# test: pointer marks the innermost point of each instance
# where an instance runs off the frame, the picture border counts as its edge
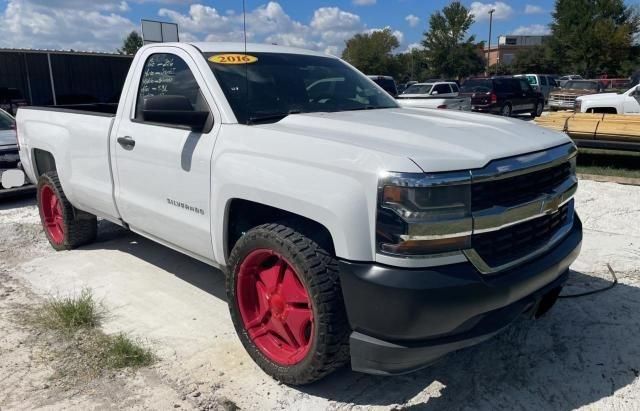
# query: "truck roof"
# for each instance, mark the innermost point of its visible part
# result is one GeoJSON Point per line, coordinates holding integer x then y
{"type": "Point", "coordinates": [214, 47]}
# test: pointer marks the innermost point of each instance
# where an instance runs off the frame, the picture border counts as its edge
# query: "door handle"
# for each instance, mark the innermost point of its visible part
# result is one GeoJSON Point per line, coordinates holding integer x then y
{"type": "Point", "coordinates": [127, 142]}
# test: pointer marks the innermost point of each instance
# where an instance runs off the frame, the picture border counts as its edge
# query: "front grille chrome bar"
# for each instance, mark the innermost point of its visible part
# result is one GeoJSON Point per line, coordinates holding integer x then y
{"type": "Point", "coordinates": [500, 217]}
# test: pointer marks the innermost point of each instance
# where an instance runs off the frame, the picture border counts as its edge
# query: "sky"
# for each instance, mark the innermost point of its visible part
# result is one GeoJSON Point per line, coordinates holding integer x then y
{"type": "Point", "coordinates": [100, 25]}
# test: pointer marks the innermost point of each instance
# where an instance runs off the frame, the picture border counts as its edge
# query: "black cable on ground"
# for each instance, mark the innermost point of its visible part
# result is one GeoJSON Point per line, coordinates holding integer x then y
{"type": "Point", "coordinates": [599, 290]}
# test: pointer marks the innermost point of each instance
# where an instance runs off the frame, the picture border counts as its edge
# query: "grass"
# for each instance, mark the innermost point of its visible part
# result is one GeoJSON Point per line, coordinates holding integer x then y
{"type": "Point", "coordinates": [71, 313]}
{"type": "Point", "coordinates": [609, 163]}
{"type": "Point", "coordinates": [79, 347]}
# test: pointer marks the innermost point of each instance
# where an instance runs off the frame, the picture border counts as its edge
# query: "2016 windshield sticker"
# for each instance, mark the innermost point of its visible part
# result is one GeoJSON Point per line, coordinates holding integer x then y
{"type": "Point", "coordinates": [233, 59]}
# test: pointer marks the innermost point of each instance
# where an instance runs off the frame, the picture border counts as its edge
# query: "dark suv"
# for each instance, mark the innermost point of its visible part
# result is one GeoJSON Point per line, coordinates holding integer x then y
{"type": "Point", "coordinates": [503, 95]}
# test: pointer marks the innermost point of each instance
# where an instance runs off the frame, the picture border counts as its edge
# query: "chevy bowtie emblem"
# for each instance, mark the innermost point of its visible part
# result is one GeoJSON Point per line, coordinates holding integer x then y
{"type": "Point", "coordinates": [551, 205]}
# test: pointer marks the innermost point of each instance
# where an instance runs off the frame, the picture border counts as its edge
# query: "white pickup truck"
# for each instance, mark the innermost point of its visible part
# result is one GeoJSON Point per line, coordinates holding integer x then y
{"type": "Point", "coordinates": [611, 103]}
{"type": "Point", "coordinates": [350, 230]}
{"type": "Point", "coordinates": [442, 95]}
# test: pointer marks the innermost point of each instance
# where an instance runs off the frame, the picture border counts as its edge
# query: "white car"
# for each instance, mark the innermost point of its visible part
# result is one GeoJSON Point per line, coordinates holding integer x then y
{"type": "Point", "coordinates": [611, 103]}
{"type": "Point", "coordinates": [443, 95]}
{"type": "Point", "coordinates": [351, 230]}
{"type": "Point", "coordinates": [9, 158]}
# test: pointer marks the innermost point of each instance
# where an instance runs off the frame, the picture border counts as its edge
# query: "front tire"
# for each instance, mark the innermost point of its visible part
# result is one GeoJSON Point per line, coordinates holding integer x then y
{"type": "Point", "coordinates": [65, 226]}
{"type": "Point", "coordinates": [286, 304]}
{"type": "Point", "coordinates": [537, 110]}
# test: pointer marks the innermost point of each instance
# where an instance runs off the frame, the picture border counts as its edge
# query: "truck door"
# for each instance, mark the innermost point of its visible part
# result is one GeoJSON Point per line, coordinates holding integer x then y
{"type": "Point", "coordinates": [162, 164]}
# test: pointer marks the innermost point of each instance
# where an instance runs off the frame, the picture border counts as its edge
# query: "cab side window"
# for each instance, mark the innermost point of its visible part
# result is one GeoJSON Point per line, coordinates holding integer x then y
{"type": "Point", "coordinates": [524, 86]}
{"type": "Point", "coordinates": [442, 89]}
{"type": "Point", "coordinates": [168, 85]}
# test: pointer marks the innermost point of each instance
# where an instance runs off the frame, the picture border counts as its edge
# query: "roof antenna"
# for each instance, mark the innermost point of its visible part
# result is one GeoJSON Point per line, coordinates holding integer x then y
{"type": "Point", "coordinates": [246, 66]}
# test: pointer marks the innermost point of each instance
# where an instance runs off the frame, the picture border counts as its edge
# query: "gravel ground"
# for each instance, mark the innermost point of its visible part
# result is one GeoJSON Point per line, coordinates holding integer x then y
{"type": "Point", "coordinates": [584, 354]}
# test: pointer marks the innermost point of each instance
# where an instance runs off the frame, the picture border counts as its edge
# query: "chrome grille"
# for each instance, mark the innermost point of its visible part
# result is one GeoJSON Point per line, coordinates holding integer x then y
{"type": "Point", "coordinates": [521, 206]}
{"type": "Point", "coordinates": [500, 247]}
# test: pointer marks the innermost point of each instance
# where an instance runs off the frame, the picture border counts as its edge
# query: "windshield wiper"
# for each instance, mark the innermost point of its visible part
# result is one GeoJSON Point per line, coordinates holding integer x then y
{"type": "Point", "coordinates": [270, 117]}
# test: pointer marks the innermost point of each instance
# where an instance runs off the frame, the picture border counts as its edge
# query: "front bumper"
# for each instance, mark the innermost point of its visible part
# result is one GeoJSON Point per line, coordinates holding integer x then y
{"type": "Point", "coordinates": [404, 319]}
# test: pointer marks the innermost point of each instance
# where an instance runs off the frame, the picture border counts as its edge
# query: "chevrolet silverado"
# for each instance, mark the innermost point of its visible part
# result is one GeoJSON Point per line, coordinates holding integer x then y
{"type": "Point", "coordinates": [351, 230]}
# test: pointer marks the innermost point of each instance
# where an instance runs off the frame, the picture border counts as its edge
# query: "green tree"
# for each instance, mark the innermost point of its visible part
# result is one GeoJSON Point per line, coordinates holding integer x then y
{"type": "Point", "coordinates": [593, 37]}
{"type": "Point", "coordinates": [131, 44]}
{"type": "Point", "coordinates": [450, 52]}
{"type": "Point", "coordinates": [372, 53]}
{"type": "Point", "coordinates": [538, 59]}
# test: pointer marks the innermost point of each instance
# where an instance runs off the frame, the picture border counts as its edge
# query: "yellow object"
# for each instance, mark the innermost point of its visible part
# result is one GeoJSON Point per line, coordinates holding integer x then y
{"type": "Point", "coordinates": [233, 59]}
{"type": "Point", "coordinates": [586, 126]}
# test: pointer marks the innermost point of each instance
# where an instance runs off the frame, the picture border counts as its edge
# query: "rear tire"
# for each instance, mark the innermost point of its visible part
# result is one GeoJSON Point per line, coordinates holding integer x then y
{"type": "Point", "coordinates": [505, 110]}
{"type": "Point", "coordinates": [65, 226]}
{"type": "Point", "coordinates": [286, 304]}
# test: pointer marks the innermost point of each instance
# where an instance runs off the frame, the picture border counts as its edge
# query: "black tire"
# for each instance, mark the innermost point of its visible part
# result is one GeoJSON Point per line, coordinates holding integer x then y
{"type": "Point", "coordinates": [79, 227]}
{"type": "Point", "coordinates": [506, 110]}
{"type": "Point", "coordinates": [537, 110]}
{"type": "Point", "coordinates": [318, 272]}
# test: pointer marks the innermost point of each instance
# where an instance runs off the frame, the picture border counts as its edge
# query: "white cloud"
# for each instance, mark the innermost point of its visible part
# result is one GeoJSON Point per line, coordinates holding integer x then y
{"type": "Point", "coordinates": [413, 46]}
{"type": "Point", "coordinates": [532, 30]}
{"type": "Point", "coordinates": [412, 20]}
{"type": "Point", "coordinates": [64, 24]}
{"type": "Point", "coordinates": [364, 2]}
{"type": "Point", "coordinates": [396, 33]}
{"type": "Point", "coordinates": [481, 10]}
{"type": "Point", "coordinates": [101, 25]}
{"type": "Point", "coordinates": [327, 30]}
{"type": "Point", "coordinates": [531, 9]}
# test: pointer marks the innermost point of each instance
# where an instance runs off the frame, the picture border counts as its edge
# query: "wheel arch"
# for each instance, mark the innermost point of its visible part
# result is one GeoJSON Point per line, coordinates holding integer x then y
{"type": "Point", "coordinates": [43, 162]}
{"type": "Point", "coordinates": [241, 215]}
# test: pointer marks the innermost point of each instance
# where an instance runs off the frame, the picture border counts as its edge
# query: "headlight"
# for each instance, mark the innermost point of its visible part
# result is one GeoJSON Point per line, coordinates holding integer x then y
{"type": "Point", "coordinates": [424, 214]}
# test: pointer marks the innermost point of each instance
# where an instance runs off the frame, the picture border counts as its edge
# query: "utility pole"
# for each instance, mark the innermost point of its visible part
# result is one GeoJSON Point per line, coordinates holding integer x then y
{"type": "Point", "coordinates": [489, 53]}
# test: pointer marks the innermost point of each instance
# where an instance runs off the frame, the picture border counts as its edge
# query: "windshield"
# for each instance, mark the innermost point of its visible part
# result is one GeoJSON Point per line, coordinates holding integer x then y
{"type": "Point", "coordinates": [581, 85]}
{"type": "Point", "coordinates": [281, 84]}
{"type": "Point", "coordinates": [532, 80]}
{"type": "Point", "coordinates": [419, 89]}
{"type": "Point", "coordinates": [476, 86]}
{"type": "Point", "coordinates": [6, 121]}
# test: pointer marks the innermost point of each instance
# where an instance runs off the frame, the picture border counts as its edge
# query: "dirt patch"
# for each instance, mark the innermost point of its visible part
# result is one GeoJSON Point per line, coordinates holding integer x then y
{"type": "Point", "coordinates": [583, 354]}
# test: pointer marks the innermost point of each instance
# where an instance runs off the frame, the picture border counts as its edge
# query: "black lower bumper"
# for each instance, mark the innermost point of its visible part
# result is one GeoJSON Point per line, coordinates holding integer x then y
{"type": "Point", "coordinates": [404, 319]}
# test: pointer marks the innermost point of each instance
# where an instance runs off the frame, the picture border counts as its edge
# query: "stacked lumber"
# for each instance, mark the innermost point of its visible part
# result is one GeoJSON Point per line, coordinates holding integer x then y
{"type": "Point", "coordinates": [586, 126]}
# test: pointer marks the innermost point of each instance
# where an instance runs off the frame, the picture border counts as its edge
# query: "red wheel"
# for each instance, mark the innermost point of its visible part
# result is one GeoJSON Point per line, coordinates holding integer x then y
{"type": "Point", "coordinates": [51, 210]}
{"type": "Point", "coordinates": [65, 226]}
{"type": "Point", "coordinates": [275, 307]}
{"type": "Point", "coordinates": [286, 304]}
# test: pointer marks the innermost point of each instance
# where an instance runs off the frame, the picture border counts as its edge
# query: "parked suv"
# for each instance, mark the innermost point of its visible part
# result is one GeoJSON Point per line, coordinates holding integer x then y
{"type": "Point", "coordinates": [540, 82]}
{"type": "Point", "coordinates": [503, 95]}
{"type": "Point", "coordinates": [387, 83]}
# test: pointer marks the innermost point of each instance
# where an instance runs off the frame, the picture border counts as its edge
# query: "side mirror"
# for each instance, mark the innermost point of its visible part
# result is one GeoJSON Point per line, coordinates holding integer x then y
{"type": "Point", "coordinates": [174, 110]}
{"type": "Point", "coordinates": [434, 93]}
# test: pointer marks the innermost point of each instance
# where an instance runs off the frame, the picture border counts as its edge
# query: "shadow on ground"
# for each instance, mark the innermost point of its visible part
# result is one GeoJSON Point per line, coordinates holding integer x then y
{"type": "Point", "coordinates": [196, 273]}
{"type": "Point", "coordinates": [584, 350]}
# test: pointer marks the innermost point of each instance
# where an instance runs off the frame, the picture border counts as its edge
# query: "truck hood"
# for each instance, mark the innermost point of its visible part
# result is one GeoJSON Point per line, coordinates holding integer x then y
{"type": "Point", "coordinates": [601, 96]}
{"type": "Point", "coordinates": [574, 92]}
{"type": "Point", "coordinates": [436, 140]}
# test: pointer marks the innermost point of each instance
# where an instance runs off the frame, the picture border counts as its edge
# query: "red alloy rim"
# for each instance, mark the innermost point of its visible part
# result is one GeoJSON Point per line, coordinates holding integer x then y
{"type": "Point", "coordinates": [51, 209]}
{"type": "Point", "coordinates": [275, 307]}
